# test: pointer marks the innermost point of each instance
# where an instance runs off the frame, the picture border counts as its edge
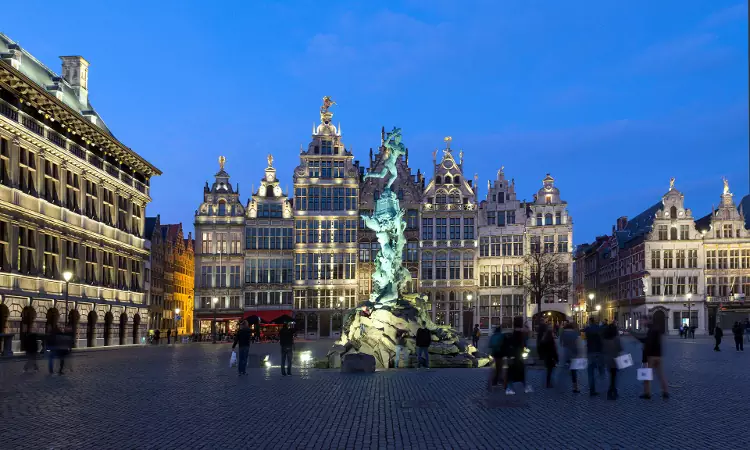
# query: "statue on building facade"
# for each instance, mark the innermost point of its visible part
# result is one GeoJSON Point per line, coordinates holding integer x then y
{"type": "Point", "coordinates": [393, 150]}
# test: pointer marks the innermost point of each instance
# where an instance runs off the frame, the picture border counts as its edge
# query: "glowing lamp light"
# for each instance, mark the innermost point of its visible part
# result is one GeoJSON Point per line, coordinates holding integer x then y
{"type": "Point", "coordinates": [305, 356]}
{"type": "Point", "coordinates": [67, 275]}
{"type": "Point", "coordinates": [598, 307]}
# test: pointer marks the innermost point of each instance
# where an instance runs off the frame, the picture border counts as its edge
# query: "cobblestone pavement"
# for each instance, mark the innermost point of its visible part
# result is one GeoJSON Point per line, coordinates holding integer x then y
{"type": "Point", "coordinates": [187, 397]}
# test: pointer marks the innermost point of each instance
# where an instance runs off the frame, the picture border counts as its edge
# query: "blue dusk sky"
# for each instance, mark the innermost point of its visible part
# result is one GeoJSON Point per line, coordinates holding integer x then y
{"type": "Point", "coordinates": [611, 97]}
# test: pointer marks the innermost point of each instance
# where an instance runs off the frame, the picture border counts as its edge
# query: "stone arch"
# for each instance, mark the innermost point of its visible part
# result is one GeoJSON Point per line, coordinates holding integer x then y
{"type": "Point", "coordinates": [53, 319]}
{"type": "Point", "coordinates": [108, 319]}
{"type": "Point", "coordinates": [136, 324]}
{"type": "Point", "coordinates": [448, 179]}
{"type": "Point", "coordinates": [123, 328]}
{"type": "Point", "coordinates": [91, 329]}
{"type": "Point", "coordinates": [673, 233]}
{"type": "Point", "coordinates": [659, 319]}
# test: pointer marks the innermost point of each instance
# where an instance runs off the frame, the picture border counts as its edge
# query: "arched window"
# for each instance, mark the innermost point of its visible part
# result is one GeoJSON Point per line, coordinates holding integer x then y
{"type": "Point", "coordinates": [440, 199]}
{"type": "Point", "coordinates": [548, 219]}
{"type": "Point", "coordinates": [438, 180]}
{"type": "Point", "coordinates": [427, 266]}
{"type": "Point", "coordinates": [673, 233]}
{"type": "Point", "coordinates": [456, 180]}
{"type": "Point", "coordinates": [222, 208]}
{"type": "Point", "coordinates": [441, 266]}
{"type": "Point", "coordinates": [455, 266]}
{"type": "Point", "coordinates": [455, 197]}
{"type": "Point", "coordinates": [673, 212]}
{"type": "Point", "coordinates": [448, 179]}
{"type": "Point", "coordinates": [538, 219]}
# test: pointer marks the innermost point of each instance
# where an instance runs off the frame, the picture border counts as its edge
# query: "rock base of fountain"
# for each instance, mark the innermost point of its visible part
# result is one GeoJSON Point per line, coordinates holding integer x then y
{"type": "Point", "coordinates": [375, 335]}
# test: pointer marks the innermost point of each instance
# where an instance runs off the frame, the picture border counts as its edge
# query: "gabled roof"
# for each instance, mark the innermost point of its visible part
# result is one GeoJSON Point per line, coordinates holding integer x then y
{"type": "Point", "coordinates": [704, 223]}
{"type": "Point", "coordinates": [150, 226]}
{"type": "Point", "coordinates": [744, 207]}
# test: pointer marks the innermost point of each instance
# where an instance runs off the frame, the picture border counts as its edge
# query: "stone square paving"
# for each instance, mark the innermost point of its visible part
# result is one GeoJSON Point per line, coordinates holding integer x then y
{"type": "Point", "coordinates": [187, 397]}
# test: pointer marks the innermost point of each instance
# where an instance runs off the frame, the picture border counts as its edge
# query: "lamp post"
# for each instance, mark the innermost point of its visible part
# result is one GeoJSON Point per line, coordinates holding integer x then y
{"type": "Point", "coordinates": [214, 301]}
{"type": "Point", "coordinates": [341, 316]}
{"type": "Point", "coordinates": [690, 317]}
{"type": "Point", "coordinates": [591, 301]}
{"type": "Point", "coordinates": [176, 321]}
{"type": "Point", "coordinates": [468, 298]}
{"type": "Point", "coordinates": [575, 310]}
{"type": "Point", "coordinates": [67, 276]}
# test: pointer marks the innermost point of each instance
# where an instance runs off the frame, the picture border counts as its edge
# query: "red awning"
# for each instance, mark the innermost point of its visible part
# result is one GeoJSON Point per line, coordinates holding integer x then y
{"type": "Point", "coordinates": [268, 315]}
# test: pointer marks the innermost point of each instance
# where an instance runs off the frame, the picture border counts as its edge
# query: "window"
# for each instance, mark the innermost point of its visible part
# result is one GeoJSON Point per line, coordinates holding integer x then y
{"type": "Point", "coordinates": [656, 286]}
{"type": "Point", "coordinates": [326, 147]}
{"type": "Point", "coordinates": [412, 249]}
{"type": "Point", "coordinates": [455, 266]}
{"type": "Point", "coordinates": [4, 162]}
{"type": "Point", "coordinates": [122, 271]}
{"type": "Point", "coordinates": [135, 225]}
{"type": "Point", "coordinates": [71, 256]}
{"type": "Point", "coordinates": [27, 171]}
{"type": "Point", "coordinates": [662, 232]}
{"type": "Point", "coordinates": [325, 169]}
{"type": "Point", "coordinates": [562, 243]}
{"type": "Point", "coordinates": [680, 285]}
{"type": "Point", "coordinates": [234, 280]}
{"type": "Point", "coordinates": [468, 266]}
{"type": "Point", "coordinates": [722, 259]}
{"type": "Point", "coordinates": [535, 244]}
{"type": "Point", "coordinates": [558, 218]}
{"type": "Point", "coordinates": [548, 219]}
{"type": "Point", "coordinates": [72, 190]}
{"type": "Point", "coordinates": [692, 259]}
{"type": "Point", "coordinates": [440, 199]}
{"type": "Point", "coordinates": [510, 217]}
{"type": "Point", "coordinates": [91, 265]}
{"type": "Point", "coordinates": [338, 169]}
{"type": "Point", "coordinates": [734, 259]}
{"type": "Point", "coordinates": [549, 244]}
{"type": "Point", "coordinates": [411, 219]}
{"type": "Point", "coordinates": [440, 266]}
{"type": "Point", "coordinates": [668, 285]}
{"type": "Point", "coordinates": [313, 169]}
{"type": "Point", "coordinates": [655, 259]}
{"type": "Point", "coordinates": [484, 246]}
{"type": "Point", "coordinates": [300, 199]}
{"type": "Point", "coordinates": [135, 275]}
{"type": "Point", "coordinates": [468, 228]}
{"type": "Point", "coordinates": [711, 259]}
{"type": "Point", "coordinates": [440, 228]}
{"type": "Point", "coordinates": [51, 182]}
{"type": "Point", "coordinates": [491, 217]}
{"type": "Point", "coordinates": [539, 219]}
{"type": "Point", "coordinates": [92, 200]}
{"type": "Point", "coordinates": [673, 233]}
{"type": "Point", "coordinates": [668, 259]}
{"type": "Point", "coordinates": [495, 245]}
{"type": "Point", "coordinates": [684, 232]}
{"type": "Point", "coordinates": [455, 228]}
{"type": "Point", "coordinates": [727, 228]}
{"type": "Point", "coordinates": [680, 259]}
{"type": "Point", "coordinates": [427, 265]}
{"type": "Point", "coordinates": [693, 285]}
{"type": "Point", "coordinates": [51, 251]}
{"type": "Point", "coordinates": [352, 195]}
{"type": "Point", "coordinates": [500, 219]}
{"type": "Point", "coordinates": [108, 207]}
{"type": "Point", "coordinates": [123, 205]}
{"type": "Point", "coordinates": [221, 276]}
{"type": "Point", "coordinates": [455, 198]}
{"type": "Point", "coordinates": [206, 243]}
{"type": "Point", "coordinates": [26, 250]}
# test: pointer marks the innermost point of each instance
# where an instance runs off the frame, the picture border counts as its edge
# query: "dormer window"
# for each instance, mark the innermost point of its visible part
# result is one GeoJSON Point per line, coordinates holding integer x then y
{"type": "Point", "coordinates": [548, 199]}
{"type": "Point", "coordinates": [457, 179]}
{"type": "Point", "coordinates": [438, 180]}
{"type": "Point", "coordinates": [222, 208]}
{"type": "Point", "coordinates": [448, 179]}
{"type": "Point", "coordinates": [673, 212]}
{"type": "Point", "coordinates": [326, 148]}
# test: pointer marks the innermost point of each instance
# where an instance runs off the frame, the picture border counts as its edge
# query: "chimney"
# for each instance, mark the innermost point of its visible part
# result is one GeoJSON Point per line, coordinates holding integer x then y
{"type": "Point", "coordinates": [622, 222]}
{"type": "Point", "coordinates": [75, 71]}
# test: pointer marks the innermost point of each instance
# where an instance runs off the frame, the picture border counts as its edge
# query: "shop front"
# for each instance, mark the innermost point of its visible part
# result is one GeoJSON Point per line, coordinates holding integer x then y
{"type": "Point", "coordinates": [266, 324]}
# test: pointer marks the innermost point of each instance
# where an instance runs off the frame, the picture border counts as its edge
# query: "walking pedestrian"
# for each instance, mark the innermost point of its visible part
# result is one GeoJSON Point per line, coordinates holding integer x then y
{"type": "Point", "coordinates": [611, 349]}
{"type": "Point", "coordinates": [496, 349]}
{"type": "Point", "coordinates": [31, 348]}
{"type": "Point", "coordinates": [738, 332]}
{"type": "Point", "coordinates": [594, 354]}
{"type": "Point", "coordinates": [423, 341]}
{"type": "Point", "coordinates": [286, 338]}
{"type": "Point", "coordinates": [747, 329]}
{"type": "Point", "coordinates": [652, 354]}
{"type": "Point", "coordinates": [157, 334]}
{"type": "Point", "coordinates": [475, 336]}
{"type": "Point", "coordinates": [242, 338]}
{"type": "Point", "coordinates": [547, 351]}
{"type": "Point", "coordinates": [541, 330]}
{"type": "Point", "coordinates": [400, 347]}
{"type": "Point", "coordinates": [169, 335]}
{"type": "Point", "coordinates": [569, 346]}
{"type": "Point", "coordinates": [515, 347]}
{"type": "Point", "coordinates": [718, 334]}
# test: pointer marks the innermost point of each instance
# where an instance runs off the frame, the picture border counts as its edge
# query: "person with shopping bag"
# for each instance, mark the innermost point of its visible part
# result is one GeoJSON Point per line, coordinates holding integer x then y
{"type": "Point", "coordinates": [569, 351]}
{"type": "Point", "coordinates": [242, 338]}
{"type": "Point", "coordinates": [613, 357]}
{"type": "Point", "coordinates": [652, 359]}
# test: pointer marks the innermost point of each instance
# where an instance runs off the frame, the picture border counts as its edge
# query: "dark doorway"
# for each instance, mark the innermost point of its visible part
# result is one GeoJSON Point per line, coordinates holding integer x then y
{"type": "Point", "coordinates": [136, 324]}
{"type": "Point", "coordinates": [660, 321]}
{"type": "Point", "coordinates": [468, 323]}
{"type": "Point", "coordinates": [123, 328]}
{"type": "Point", "coordinates": [28, 315]}
{"type": "Point", "coordinates": [74, 317]}
{"type": "Point", "coordinates": [108, 319]}
{"type": "Point", "coordinates": [325, 324]}
{"type": "Point", "coordinates": [4, 314]}
{"type": "Point", "coordinates": [91, 330]}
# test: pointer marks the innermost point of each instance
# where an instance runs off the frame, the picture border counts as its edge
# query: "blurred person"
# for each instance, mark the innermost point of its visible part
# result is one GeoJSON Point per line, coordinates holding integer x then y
{"type": "Point", "coordinates": [286, 338]}
{"type": "Point", "coordinates": [31, 349]}
{"type": "Point", "coordinates": [423, 341]}
{"type": "Point", "coordinates": [738, 331]}
{"type": "Point", "coordinates": [515, 346]}
{"type": "Point", "coordinates": [611, 349]}
{"type": "Point", "coordinates": [401, 336]}
{"type": "Point", "coordinates": [718, 334]}
{"type": "Point", "coordinates": [475, 336]}
{"type": "Point", "coordinates": [547, 351]}
{"type": "Point", "coordinates": [242, 338]}
{"type": "Point", "coordinates": [496, 349]}
{"type": "Point", "coordinates": [652, 354]}
{"type": "Point", "coordinates": [169, 335]}
{"type": "Point", "coordinates": [569, 346]}
{"type": "Point", "coordinates": [157, 335]}
{"type": "Point", "coordinates": [594, 354]}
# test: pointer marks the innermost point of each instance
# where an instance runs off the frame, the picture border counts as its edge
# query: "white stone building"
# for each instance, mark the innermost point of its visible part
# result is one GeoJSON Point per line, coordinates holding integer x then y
{"type": "Point", "coordinates": [449, 242]}
{"type": "Point", "coordinates": [72, 199]}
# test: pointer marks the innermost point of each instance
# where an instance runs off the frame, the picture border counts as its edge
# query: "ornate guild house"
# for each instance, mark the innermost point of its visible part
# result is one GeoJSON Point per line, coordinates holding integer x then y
{"type": "Point", "coordinates": [449, 242]}
{"type": "Point", "coordinates": [72, 208]}
{"type": "Point", "coordinates": [326, 194]}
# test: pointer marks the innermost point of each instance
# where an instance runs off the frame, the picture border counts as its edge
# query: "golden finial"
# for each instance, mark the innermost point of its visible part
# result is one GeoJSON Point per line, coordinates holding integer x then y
{"type": "Point", "coordinates": [671, 183]}
{"type": "Point", "coordinates": [270, 160]}
{"type": "Point", "coordinates": [448, 140]}
{"type": "Point", "coordinates": [726, 185]}
{"type": "Point", "coordinates": [222, 161]}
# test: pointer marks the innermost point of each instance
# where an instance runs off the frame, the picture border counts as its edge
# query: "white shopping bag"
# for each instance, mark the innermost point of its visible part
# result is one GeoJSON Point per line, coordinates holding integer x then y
{"type": "Point", "coordinates": [233, 359]}
{"type": "Point", "coordinates": [578, 363]}
{"type": "Point", "coordinates": [624, 361]}
{"type": "Point", "coordinates": [645, 374]}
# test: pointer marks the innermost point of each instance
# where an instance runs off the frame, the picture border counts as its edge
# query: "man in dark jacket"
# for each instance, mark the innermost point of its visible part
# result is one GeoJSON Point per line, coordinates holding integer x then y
{"type": "Point", "coordinates": [738, 331]}
{"type": "Point", "coordinates": [594, 354]}
{"type": "Point", "coordinates": [424, 339]}
{"type": "Point", "coordinates": [242, 338]}
{"type": "Point", "coordinates": [718, 334]}
{"type": "Point", "coordinates": [286, 338]}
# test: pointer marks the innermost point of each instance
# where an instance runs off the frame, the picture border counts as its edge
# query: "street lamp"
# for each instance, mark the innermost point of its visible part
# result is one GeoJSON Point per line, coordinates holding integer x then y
{"type": "Point", "coordinates": [214, 301]}
{"type": "Point", "coordinates": [67, 276]}
{"type": "Point", "coordinates": [341, 316]}
{"type": "Point", "coordinates": [176, 315]}
{"type": "Point", "coordinates": [690, 317]}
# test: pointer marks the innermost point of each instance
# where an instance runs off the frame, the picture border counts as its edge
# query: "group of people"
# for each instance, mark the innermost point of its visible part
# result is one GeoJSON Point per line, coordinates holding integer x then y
{"type": "Point", "coordinates": [156, 336]}
{"type": "Point", "coordinates": [58, 342]}
{"type": "Point", "coordinates": [739, 330]}
{"type": "Point", "coordinates": [245, 336]}
{"type": "Point", "coordinates": [559, 348]}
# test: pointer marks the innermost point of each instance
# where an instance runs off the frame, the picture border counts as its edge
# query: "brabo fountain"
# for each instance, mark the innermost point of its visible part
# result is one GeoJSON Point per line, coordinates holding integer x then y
{"type": "Point", "coordinates": [371, 328]}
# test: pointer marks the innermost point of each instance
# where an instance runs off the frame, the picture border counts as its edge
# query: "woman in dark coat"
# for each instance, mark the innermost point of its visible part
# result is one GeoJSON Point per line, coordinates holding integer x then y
{"type": "Point", "coordinates": [548, 353]}
{"type": "Point", "coordinates": [611, 349]}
